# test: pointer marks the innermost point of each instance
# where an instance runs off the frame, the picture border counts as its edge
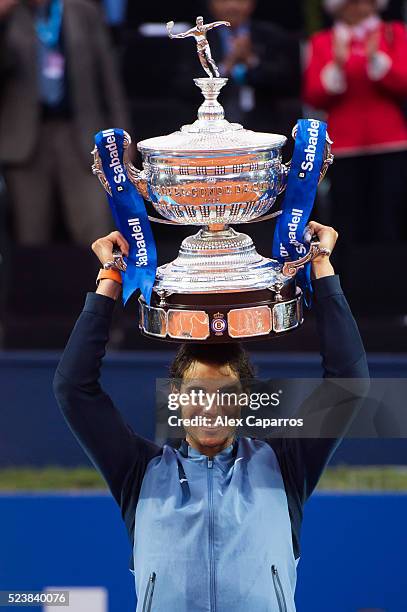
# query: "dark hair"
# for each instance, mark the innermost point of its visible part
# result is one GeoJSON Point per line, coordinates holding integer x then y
{"type": "Point", "coordinates": [232, 354]}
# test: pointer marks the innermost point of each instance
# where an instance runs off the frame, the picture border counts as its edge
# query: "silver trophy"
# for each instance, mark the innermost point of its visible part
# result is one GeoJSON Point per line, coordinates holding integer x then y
{"type": "Point", "coordinates": [215, 174]}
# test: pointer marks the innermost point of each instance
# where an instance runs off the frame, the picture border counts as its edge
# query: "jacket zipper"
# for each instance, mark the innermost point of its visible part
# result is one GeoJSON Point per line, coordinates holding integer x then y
{"type": "Point", "coordinates": [211, 536]}
{"type": "Point", "coordinates": [282, 606]}
{"type": "Point", "coordinates": [148, 597]}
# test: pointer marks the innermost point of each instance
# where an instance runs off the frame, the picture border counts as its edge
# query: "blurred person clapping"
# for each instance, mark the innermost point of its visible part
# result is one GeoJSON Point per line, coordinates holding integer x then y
{"type": "Point", "coordinates": [59, 86]}
{"type": "Point", "coordinates": [357, 72]}
{"type": "Point", "coordinates": [262, 62]}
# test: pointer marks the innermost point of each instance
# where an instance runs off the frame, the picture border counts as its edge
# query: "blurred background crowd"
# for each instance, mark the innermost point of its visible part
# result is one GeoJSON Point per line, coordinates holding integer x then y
{"type": "Point", "coordinates": [69, 68]}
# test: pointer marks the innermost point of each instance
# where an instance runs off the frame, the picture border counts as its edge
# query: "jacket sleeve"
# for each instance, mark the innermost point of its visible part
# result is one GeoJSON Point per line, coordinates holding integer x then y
{"type": "Point", "coordinates": [302, 461]}
{"type": "Point", "coordinates": [343, 356]}
{"type": "Point", "coordinates": [120, 455]}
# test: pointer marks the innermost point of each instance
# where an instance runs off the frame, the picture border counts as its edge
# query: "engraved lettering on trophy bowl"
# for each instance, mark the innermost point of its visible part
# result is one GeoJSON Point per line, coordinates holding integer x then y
{"type": "Point", "coordinates": [202, 181]}
{"type": "Point", "coordinates": [285, 316]}
{"type": "Point", "coordinates": [188, 324]}
{"type": "Point", "coordinates": [247, 322]}
{"type": "Point", "coordinates": [153, 320]}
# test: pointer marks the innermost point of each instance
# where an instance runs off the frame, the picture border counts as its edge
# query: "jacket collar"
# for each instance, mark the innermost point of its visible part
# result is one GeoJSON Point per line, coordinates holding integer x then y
{"type": "Point", "coordinates": [227, 453]}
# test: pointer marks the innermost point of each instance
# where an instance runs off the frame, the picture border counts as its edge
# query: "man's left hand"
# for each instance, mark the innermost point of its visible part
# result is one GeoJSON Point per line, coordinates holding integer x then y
{"type": "Point", "coordinates": [327, 236]}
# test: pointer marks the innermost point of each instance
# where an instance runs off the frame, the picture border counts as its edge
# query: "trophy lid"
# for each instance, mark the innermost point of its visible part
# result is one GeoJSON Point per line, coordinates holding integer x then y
{"type": "Point", "coordinates": [211, 132]}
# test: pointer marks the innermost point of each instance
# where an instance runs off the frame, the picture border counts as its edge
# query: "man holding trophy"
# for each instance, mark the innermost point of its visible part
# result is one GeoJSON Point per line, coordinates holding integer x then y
{"type": "Point", "coordinates": [215, 522]}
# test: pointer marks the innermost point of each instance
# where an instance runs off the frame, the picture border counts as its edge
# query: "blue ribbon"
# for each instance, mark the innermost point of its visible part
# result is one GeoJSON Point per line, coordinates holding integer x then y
{"type": "Point", "coordinates": [130, 215]}
{"type": "Point", "coordinates": [49, 28]}
{"type": "Point", "coordinates": [300, 194]}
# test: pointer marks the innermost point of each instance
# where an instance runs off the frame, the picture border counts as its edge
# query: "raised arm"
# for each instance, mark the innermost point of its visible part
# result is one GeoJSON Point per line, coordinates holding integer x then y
{"type": "Point", "coordinates": [183, 34]}
{"type": "Point", "coordinates": [190, 32]}
{"type": "Point", "coordinates": [215, 24]}
{"type": "Point", "coordinates": [120, 455]}
{"type": "Point", "coordinates": [302, 460]}
{"type": "Point", "coordinates": [334, 404]}
{"type": "Point", "coordinates": [343, 356]}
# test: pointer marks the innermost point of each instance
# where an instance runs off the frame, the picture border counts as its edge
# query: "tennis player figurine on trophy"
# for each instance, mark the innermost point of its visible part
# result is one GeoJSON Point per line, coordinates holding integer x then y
{"type": "Point", "coordinates": [214, 174]}
{"type": "Point", "coordinates": [202, 46]}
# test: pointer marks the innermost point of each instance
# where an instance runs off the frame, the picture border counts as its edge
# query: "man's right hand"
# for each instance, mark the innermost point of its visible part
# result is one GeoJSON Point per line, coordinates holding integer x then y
{"type": "Point", "coordinates": [103, 249]}
{"type": "Point", "coordinates": [6, 6]}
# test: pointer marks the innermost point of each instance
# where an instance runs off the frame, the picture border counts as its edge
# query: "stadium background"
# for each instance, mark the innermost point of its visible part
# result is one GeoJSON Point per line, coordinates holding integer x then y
{"type": "Point", "coordinates": [58, 525]}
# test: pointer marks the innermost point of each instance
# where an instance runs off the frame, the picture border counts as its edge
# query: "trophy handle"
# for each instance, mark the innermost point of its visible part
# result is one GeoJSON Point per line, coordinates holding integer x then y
{"type": "Point", "coordinates": [137, 177]}
{"type": "Point", "coordinates": [290, 268]}
{"type": "Point", "coordinates": [328, 160]}
{"type": "Point", "coordinates": [117, 263]}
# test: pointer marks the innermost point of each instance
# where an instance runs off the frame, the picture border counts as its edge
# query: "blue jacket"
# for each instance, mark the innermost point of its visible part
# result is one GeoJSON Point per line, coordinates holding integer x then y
{"type": "Point", "coordinates": [209, 535]}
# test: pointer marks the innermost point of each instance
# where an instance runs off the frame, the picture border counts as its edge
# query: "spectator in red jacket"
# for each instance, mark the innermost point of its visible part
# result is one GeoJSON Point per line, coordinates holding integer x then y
{"type": "Point", "coordinates": [357, 72]}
